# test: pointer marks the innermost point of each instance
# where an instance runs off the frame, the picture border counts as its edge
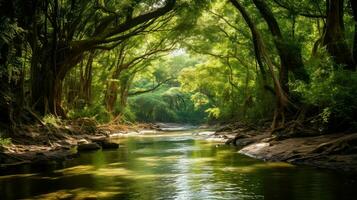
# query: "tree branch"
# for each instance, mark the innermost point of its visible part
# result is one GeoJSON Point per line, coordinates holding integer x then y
{"type": "Point", "coordinates": [144, 20]}
{"type": "Point", "coordinates": [151, 89]}
{"type": "Point", "coordinates": [304, 14]}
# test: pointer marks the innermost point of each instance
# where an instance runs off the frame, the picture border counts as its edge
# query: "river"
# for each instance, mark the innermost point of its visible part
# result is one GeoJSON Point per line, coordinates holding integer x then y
{"type": "Point", "coordinates": [174, 165]}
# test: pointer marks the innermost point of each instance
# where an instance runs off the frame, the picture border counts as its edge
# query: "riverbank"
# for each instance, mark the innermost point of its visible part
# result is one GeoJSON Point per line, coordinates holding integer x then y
{"type": "Point", "coordinates": [159, 166]}
{"type": "Point", "coordinates": [329, 151]}
{"type": "Point", "coordinates": [44, 144]}
{"type": "Point", "coordinates": [37, 145]}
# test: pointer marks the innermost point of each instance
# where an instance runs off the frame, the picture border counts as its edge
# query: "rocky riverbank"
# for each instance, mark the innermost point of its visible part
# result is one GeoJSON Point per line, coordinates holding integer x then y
{"type": "Point", "coordinates": [50, 143]}
{"type": "Point", "coordinates": [330, 151]}
{"type": "Point", "coordinates": [58, 141]}
{"type": "Point", "coordinates": [43, 144]}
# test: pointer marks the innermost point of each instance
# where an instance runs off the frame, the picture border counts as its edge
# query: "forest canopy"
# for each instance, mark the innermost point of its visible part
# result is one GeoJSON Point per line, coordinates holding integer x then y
{"type": "Point", "coordinates": [188, 61]}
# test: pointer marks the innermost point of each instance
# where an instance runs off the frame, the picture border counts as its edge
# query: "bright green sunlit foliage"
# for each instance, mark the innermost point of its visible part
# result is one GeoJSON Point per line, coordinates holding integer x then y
{"type": "Point", "coordinates": [180, 61]}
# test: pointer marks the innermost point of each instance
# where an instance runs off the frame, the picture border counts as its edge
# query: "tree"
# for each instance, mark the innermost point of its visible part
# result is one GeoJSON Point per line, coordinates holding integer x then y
{"type": "Point", "coordinates": [334, 38]}
{"type": "Point", "coordinates": [76, 29]}
{"type": "Point", "coordinates": [281, 90]}
{"type": "Point", "coordinates": [132, 57]}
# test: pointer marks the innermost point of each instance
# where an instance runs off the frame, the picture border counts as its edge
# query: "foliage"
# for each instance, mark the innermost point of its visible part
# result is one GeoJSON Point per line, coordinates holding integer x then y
{"type": "Point", "coordinates": [4, 141]}
{"type": "Point", "coordinates": [166, 105]}
{"type": "Point", "coordinates": [333, 91]}
{"type": "Point", "coordinates": [51, 120]}
{"type": "Point", "coordinates": [150, 107]}
{"type": "Point", "coordinates": [9, 31]}
{"type": "Point", "coordinates": [177, 60]}
{"type": "Point", "coordinates": [96, 111]}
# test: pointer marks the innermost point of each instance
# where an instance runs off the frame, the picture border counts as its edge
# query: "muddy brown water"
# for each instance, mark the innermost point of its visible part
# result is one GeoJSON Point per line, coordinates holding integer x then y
{"type": "Point", "coordinates": [174, 165]}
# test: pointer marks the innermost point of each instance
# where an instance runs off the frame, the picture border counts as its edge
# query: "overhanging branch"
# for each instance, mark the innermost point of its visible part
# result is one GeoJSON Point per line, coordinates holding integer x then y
{"type": "Point", "coordinates": [151, 89]}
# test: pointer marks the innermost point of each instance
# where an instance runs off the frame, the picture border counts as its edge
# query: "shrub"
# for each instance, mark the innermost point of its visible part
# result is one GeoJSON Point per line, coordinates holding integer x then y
{"type": "Point", "coordinates": [334, 93]}
{"type": "Point", "coordinates": [4, 141]}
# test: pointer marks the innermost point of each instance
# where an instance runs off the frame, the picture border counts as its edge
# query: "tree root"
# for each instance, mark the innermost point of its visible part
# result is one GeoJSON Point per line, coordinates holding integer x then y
{"type": "Point", "coordinates": [344, 145]}
{"type": "Point", "coordinates": [294, 129]}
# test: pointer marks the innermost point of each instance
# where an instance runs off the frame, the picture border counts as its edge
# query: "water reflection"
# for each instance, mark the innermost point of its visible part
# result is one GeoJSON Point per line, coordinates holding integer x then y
{"type": "Point", "coordinates": [174, 166]}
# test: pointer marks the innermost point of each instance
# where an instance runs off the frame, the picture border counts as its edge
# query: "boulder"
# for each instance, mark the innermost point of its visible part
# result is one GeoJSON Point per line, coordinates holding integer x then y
{"type": "Point", "coordinates": [244, 142]}
{"type": "Point", "coordinates": [88, 146]}
{"type": "Point", "coordinates": [82, 141]}
{"type": "Point", "coordinates": [110, 145]}
{"type": "Point", "coordinates": [105, 143]}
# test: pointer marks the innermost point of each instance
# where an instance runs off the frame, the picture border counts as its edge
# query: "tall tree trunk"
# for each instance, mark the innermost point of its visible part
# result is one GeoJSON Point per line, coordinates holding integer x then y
{"type": "Point", "coordinates": [354, 11]}
{"type": "Point", "coordinates": [334, 38]}
{"type": "Point", "coordinates": [55, 50]}
{"type": "Point", "coordinates": [124, 92]}
{"type": "Point", "coordinates": [117, 86]}
{"type": "Point", "coordinates": [114, 85]}
{"type": "Point", "coordinates": [256, 38]}
{"type": "Point", "coordinates": [47, 80]}
{"type": "Point", "coordinates": [111, 95]}
{"type": "Point", "coordinates": [261, 54]}
{"type": "Point", "coordinates": [46, 91]}
{"type": "Point", "coordinates": [5, 92]}
{"type": "Point", "coordinates": [289, 52]}
{"type": "Point", "coordinates": [86, 80]}
{"type": "Point", "coordinates": [71, 90]}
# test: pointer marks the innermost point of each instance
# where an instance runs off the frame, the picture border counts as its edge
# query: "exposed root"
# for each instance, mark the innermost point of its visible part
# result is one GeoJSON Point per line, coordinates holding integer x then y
{"type": "Point", "coordinates": [242, 127]}
{"type": "Point", "coordinates": [294, 129]}
{"type": "Point", "coordinates": [344, 145]}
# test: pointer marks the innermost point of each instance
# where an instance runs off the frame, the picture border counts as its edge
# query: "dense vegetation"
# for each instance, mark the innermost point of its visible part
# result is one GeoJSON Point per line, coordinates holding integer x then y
{"type": "Point", "coordinates": [179, 61]}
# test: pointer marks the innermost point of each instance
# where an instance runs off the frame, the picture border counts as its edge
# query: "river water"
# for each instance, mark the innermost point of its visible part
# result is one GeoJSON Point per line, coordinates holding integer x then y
{"type": "Point", "coordinates": [174, 165]}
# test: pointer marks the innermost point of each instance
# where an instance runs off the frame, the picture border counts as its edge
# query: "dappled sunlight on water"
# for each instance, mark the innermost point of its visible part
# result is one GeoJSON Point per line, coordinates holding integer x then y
{"type": "Point", "coordinates": [175, 165]}
{"type": "Point", "coordinates": [80, 193]}
{"type": "Point", "coordinates": [255, 167]}
{"type": "Point", "coordinates": [81, 169]}
{"type": "Point", "coordinates": [112, 172]}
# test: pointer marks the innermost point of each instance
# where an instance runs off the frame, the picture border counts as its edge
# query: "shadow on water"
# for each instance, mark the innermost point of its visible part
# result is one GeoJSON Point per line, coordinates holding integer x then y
{"type": "Point", "coordinates": [174, 166]}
